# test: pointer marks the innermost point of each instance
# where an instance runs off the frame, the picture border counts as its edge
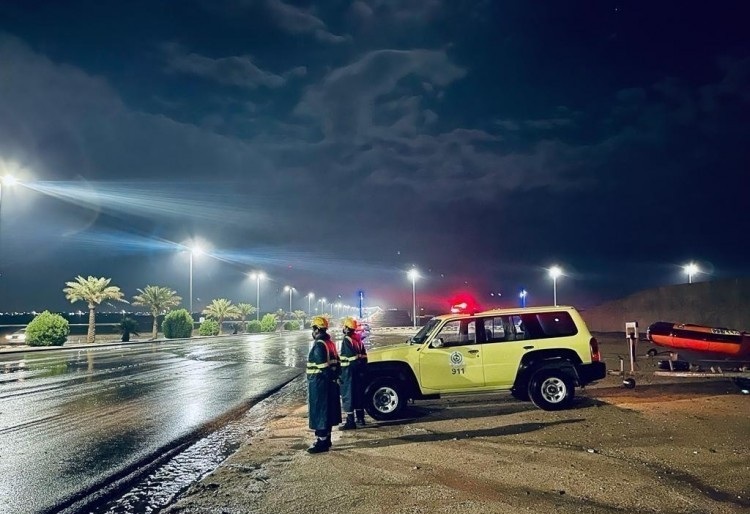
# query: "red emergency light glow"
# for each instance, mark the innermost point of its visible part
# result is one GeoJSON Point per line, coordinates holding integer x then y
{"type": "Point", "coordinates": [461, 307]}
{"type": "Point", "coordinates": [464, 303]}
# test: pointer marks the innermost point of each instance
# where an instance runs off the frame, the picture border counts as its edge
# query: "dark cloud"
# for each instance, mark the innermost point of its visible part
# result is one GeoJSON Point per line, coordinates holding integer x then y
{"type": "Point", "coordinates": [481, 141]}
{"type": "Point", "coordinates": [233, 70]}
{"type": "Point", "coordinates": [344, 102]}
{"type": "Point", "coordinates": [300, 21]}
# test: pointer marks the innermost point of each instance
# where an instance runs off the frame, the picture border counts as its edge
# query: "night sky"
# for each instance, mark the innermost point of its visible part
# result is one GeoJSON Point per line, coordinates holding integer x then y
{"type": "Point", "coordinates": [334, 145]}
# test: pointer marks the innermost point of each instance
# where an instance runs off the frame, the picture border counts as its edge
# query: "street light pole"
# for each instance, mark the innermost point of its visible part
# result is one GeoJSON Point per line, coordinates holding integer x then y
{"type": "Point", "coordinates": [257, 276]}
{"type": "Point", "coordinates": [194, 249]}
{"type": "Point", "coordinates": [554, 272]}
{"type": "Point", "coordinates": [414, 275]}
{"type": "Point", "coordinates": [310, 296]}
{"type": "Point", "coordinates": [290, 289]}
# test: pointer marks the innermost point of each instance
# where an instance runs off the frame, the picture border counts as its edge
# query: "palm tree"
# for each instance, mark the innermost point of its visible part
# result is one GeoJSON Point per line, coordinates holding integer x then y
{"type": "Point", "coordinates": [300, 315]}
{"type": "Point", "coordinates": [159, 300]}
{"type": "Point", "coordinates": [222, 309]}
{"type": "Point", "coordinates": [93, 291]}
{"type": "Point", "coordinates": [245, 310]}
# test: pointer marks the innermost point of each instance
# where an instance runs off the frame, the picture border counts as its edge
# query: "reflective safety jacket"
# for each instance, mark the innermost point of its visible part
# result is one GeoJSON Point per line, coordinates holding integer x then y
{"type": "Point", "coordinates": [353, 367]}
{"type": "Point", "coordinates": [324, 408]}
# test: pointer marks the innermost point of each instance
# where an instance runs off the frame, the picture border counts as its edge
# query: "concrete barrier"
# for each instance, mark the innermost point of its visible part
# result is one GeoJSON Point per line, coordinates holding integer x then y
{"type": "Point", "coordinates": [394, 330]}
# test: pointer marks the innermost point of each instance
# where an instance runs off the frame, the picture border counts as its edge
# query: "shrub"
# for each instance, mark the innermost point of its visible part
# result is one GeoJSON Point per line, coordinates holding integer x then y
{"type": "Point", "coordinates": [253, 327]}
{"type": "Point", "coordinates": [268, 323]}
{"type": "Point", "coordinates": [127, 327]}
{"type": "Point", "coordinates": [177, 324]}
{"type": "Point", "coordinates": [47, 329]}
{"type": "Point", "coordinates": [291, 325]}
{"type": "Point", "coordinates": [209, 327]}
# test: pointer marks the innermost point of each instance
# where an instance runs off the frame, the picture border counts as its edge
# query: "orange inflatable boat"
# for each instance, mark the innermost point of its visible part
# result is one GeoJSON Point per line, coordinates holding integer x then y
{"type": "Point", "coordinates": [699, 338]}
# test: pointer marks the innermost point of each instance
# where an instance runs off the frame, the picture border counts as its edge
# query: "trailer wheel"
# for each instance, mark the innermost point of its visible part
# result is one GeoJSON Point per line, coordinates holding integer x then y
{"type": "Point", "coordinates": [629, 383]}
{"type": "Point", "coordinates": [652, 352]}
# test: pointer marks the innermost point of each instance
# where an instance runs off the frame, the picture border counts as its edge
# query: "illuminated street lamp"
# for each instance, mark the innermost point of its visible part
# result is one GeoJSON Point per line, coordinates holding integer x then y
{"type": "Point", "coordinates": [555, 272]}
{"type": "Point", "coordinates": [257, 276]}
{"type": "Point", "coordinates": [414, 275]}
{"type": "Point", "coordinates": [522, 295]}
{"type": "Point", "coordinates": [291, 290]}
{"type": "Point", "coordinates": [691, 269]}
{"type": "Point", "coordinates": [7, 180]}
{"type": "Point", "coordinates": [310, 296]}
{"type": "Point", "coordinates": [322, 305]}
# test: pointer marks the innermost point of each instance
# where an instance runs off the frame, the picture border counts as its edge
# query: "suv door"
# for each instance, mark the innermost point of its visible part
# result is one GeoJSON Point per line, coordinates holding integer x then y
{"type": "Point", "coordinates": [452, 360]}
{"type": "Point", "coordinates": [503, 350]}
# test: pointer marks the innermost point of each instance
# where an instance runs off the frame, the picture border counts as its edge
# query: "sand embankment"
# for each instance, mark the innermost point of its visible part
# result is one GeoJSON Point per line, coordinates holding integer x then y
{"type": "Point", "coordinates": [721, 303]}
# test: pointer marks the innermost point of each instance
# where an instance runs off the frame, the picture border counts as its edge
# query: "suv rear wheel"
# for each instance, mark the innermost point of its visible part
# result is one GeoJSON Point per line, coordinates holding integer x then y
{"type": "Point", "coordinates": [551, 389]}
{"type": "Point", "coordinates": [385, 399]}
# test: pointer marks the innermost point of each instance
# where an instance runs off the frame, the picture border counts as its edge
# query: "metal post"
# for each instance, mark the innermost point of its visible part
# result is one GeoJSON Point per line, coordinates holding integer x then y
{"type": "Point", "coordinates": [191, 283]}
{"type": "Point", "coordinates": [414, 300]}
{"type": "Point", "coordinates": [554, 290]}
{"type": "Point", "coordinates": [257, 298]}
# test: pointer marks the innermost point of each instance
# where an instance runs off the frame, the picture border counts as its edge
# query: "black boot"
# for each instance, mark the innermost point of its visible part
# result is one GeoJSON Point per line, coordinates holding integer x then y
{"type": "Point", "coordinates": [350, 424]}
{"type": "Point", "coordinates": [360, 417]}
{"type": "Point", "coordinates": [320, 446]}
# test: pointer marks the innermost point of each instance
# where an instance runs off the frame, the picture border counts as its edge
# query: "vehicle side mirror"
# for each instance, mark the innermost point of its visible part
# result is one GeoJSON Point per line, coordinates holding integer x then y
{"type": "Point", "coordinates": [437, 342]}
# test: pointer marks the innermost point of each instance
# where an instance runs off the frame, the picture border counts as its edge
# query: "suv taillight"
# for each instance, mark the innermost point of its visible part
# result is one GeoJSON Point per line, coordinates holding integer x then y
{"type": "Point", "coordinates": [595, 355]}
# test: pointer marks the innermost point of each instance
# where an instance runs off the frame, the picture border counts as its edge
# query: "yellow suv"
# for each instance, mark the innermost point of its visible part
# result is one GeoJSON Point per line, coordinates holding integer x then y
{"type": "Point", "coordinates": [539, 354]}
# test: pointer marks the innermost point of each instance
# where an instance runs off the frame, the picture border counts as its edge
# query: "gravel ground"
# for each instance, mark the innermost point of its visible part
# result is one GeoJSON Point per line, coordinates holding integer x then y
{"type": "Point", "coordinates": [669, 445]}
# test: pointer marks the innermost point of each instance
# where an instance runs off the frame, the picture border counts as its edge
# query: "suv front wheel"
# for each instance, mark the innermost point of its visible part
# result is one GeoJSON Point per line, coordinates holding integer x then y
{"type": "Point", "coordinates": [385, 399]}
{"type": "Point", "coordinates": [551, 389]}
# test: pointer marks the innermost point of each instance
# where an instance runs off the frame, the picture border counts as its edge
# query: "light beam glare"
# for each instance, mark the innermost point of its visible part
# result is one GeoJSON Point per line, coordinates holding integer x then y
{"type": "Point", "coordinates": [123, 241]}
{"type": "Point", "coordinates": [153, 199]}
{"type": "Point", "coordinates": [303, 261]}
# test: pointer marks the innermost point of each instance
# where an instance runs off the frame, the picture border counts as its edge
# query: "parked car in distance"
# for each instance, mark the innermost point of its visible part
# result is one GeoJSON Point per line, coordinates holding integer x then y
{"type": "Point", "coordinates": [19, 337]}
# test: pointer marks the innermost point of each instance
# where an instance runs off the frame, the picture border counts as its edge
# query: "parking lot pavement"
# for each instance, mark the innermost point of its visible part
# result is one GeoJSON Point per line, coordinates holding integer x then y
{"type": "Point", "coordinates": [652, 449]}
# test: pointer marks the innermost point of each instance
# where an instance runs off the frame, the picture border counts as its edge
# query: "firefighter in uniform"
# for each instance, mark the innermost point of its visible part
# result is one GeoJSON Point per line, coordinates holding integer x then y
{"type": "Point", "coordinates": [353, 367]}
{"type": "Point", "coordinates": [324, 408]}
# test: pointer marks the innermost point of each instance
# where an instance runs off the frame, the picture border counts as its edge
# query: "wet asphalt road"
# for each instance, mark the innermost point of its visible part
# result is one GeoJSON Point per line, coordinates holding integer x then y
{"type": "Point", "coordinates": [71, 419]}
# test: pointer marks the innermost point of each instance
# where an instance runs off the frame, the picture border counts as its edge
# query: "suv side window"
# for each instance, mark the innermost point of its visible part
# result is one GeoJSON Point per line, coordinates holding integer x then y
{"type": "Point", "coordinates": [458, 332]}
{"type": "Point", "coordinates": [546, 325]}
{"type": "Point", "coordinates": [502, 328]}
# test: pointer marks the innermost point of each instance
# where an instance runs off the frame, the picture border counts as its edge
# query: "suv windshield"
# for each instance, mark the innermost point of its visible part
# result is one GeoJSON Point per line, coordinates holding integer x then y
{"type": "Point", "coordinates": [421, 336]}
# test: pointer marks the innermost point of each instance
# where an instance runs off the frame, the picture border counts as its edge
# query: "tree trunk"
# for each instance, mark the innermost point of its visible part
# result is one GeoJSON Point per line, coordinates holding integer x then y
{"type": "Point", "coordinates": [221, 322]}
{"type": "Point", "coordinates": [155, 329]}
{"type": "Point", "coordinates": [91, 336]}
